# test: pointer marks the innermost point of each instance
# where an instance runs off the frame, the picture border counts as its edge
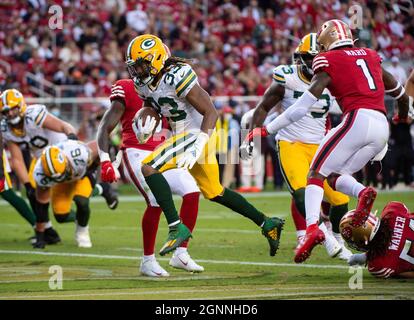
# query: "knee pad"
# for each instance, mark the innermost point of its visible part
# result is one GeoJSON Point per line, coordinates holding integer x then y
{"type": "Point", "coordinates": [299, 198]}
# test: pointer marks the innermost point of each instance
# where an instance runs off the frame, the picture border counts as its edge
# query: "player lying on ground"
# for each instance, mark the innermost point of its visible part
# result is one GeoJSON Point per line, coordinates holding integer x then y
{"type": "Point", "coordinates": [169, 85]}
{"type": "Point", "coordinates": [125, 103]}
{"type": "Point", "coordinates": [356, 79]}
{"type": "Point", "coordinates": [297, 143]}
{"type": "Point", "coordinates": [386, 242]}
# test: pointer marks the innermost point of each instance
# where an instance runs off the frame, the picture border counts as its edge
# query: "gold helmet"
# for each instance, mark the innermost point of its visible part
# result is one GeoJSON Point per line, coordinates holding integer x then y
{"type": "Point", "coordinates": [12, 99]}
{"type": "Point", "coordinates": [360, 237]}
{"type": "Point", "coordinates": [145, 58]}
{"type": "Point", "coordinates": [307, 50]}
{"type": "Point", "coordinates": [333, 34]}
{"type": "Point", "coordinates": [54, 163]}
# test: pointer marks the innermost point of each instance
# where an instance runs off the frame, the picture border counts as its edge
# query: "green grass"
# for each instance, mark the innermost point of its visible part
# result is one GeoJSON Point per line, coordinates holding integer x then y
{"type": "Point", "coordinates": [222, 242]}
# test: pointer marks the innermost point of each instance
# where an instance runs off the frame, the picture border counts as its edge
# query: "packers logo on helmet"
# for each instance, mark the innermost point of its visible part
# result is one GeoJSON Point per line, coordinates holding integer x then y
{"type": "Point", "coordinates": [54, 163]}
{"type": "Point", "coordinates": [358, 238]}
{"type": "Point", "coordinates": [307, 50]}
{"type": "Point", "coordinates": [13, 106]}
{"type": "Point", "coordinates": [333, 34]}
{"type": "Point", "coordinates": [145, 58]}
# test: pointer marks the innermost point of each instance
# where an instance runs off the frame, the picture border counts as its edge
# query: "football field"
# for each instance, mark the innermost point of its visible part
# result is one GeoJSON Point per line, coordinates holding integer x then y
{"type": "Point", "coordinates": [230, 247]}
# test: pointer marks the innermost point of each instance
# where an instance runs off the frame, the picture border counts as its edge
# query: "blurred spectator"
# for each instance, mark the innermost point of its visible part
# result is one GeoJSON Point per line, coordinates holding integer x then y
{"type": "Point", "coordinates": [397, 70]}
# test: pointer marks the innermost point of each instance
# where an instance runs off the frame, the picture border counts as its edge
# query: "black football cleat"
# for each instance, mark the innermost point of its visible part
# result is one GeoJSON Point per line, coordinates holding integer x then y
{"type": "Point", "coordinates": [51, 236]}
{"type": "Point", "coordinates": [109, 195]}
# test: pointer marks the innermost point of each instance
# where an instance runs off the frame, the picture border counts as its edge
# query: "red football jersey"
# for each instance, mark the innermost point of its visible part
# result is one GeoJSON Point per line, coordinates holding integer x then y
{"type": "Point", "coordinates": [124, 90]}
{"type": "Point", "coordinates": [356, 77]}
{"type": "Point", "coordinates": [399, 256]}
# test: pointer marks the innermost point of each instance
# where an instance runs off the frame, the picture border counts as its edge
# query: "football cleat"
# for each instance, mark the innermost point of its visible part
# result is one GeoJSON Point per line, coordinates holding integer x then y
{"type": "Point", "coordinates": [40, 242]}
{"type": "Point", "coordinates": [313, 237]}
{"type": "Point", "coordinates": [345, 254]}
{"type": "Point", "coordinates": [272, 229]}
{"type": "Point", "coordinates": [151, 268]}
{"type": "Point", "coordinates": [82, 237]}
{"type": "Point", "coordinates": [176, 236]}
{"type": "Point", "coordinates": [110, 196]}
{"type": "Point", "coordinates": [332, 246]}
{"type": "Point", "coordinates": [183, 261]}
{"type": "Point", "coordinates": [51, 236]}
{"type": "Point", "coordinates": [365, 202]}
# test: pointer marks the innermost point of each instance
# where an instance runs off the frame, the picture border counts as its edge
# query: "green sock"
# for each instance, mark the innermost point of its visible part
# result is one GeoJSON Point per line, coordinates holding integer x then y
{"type": "Point", "coordinates": [162, 193]}
{"type": "Point", "coordinates": [239, 204]}
{"type": "Point", "coordinates": [83, 211]}
{"type": "Point", "coordinates": [97, 190]}
{"type": "Point", "coordinates": [20, 205]}
{"type": "Point", "coordinates": [335, 215]}
{"type": "Point", "coordinates": [66, 218]}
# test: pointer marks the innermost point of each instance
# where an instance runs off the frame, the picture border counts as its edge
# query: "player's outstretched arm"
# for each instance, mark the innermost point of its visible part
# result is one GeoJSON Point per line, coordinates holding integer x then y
{"type": "Point", "coordinates": [409, 85]}
{"type": "Point", "coordinates": [302, 106]}
{"type": "Point", "coordinates": [55, 124]}
{"type": "Point", "coordinates": [407, 275]}
{"type": "Point", "coordinates": [394, 89]}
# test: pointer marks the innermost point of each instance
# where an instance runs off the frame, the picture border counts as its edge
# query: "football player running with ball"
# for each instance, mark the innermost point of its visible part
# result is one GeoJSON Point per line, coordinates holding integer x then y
{"type": "Point", "coordinates": [125, 103]}
{"type": "Point", "coordinates": [297, 143]}
{"type": "Point", "coordinates": [169, 85]}
{"type": "Point", "coordinates": [358, 82]}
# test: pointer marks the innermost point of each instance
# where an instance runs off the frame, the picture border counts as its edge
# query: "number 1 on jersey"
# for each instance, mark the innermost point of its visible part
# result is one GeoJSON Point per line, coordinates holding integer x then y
{"type": "Point", "coordinates": [363, 65]}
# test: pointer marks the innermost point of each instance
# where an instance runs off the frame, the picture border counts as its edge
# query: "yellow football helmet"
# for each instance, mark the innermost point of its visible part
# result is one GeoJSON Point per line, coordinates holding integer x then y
{"type": "Point", "coordinates": [360, 237]}
{"type": "Point", "coordinates": [145, 58]}
{"type": "Point", "coordinates": [333, 34]}
{"type": "Point", "coordinates": [307, 50]}
{"type": "Point", "coordinates": [54, 163]}
{"type": "Point", "coordinates": [12, 99]}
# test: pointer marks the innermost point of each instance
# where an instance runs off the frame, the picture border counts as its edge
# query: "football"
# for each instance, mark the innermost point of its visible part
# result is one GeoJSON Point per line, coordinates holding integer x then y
{"type": "Point", "coordinates": [144, 113]}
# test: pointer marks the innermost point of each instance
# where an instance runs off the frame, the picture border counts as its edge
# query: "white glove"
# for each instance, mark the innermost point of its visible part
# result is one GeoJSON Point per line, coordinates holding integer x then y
{"type": "Point", "coordinates": [191, 155]}
{"type": "Point", "coordinates": [246, 150]}
{"type": "Point", "coordinates": [143, 132]}
{"type": "Point", "coordinates": [357, 259]}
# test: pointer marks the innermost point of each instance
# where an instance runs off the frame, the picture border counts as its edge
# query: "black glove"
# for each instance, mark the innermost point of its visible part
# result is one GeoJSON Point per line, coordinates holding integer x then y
{"type": "Point", "coordinates": [72, 136]}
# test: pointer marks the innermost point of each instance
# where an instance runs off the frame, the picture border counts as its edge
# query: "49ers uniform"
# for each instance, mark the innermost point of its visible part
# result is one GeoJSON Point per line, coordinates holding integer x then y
{"type": "Point", "coordinates": [75, 184]}
{"type": "Point", "coordinates": [399, 256]}
{"type": "Point", "coordinates": [356, 82]}
{"type": "Point", "coordinates": [133, 153]}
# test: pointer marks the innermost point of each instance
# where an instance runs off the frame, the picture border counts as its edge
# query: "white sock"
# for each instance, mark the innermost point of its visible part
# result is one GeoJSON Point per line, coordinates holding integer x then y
{"type": "Point", "coordinates": [339, 238]}
{"type": "Point", "coordinates": [313, 201]}
{"type": "Point", "coordinates": [300, 233]}
{"type": "Point", "coordinates": [149, 257]}
{"type": "Point", "coordinates": [347, 184]}
{"type": "Point", "coordinates": [48, 225]}
{"type": "Point", "coordinates": [180, 250]}
{"type": "Point", "coordinates": [80, 228]}
{"type": "Point", "coordinates": [324, 229]}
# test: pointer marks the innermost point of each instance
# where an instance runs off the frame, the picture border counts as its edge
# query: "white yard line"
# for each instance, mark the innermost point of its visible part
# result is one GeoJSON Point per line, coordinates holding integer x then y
{"type": "Point", "coordinates": [119, 257]}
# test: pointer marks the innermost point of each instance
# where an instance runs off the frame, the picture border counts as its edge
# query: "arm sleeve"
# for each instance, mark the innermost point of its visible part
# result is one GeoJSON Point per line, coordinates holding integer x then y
{"type": "Point", "coordinates": [294, 113]}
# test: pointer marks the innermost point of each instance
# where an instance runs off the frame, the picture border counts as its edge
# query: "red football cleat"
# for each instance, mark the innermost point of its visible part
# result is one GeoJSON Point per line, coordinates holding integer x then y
{"type": "Point", "coordinates": [365, 202]}
{"type": "Point", "coordinates": [313, 237]}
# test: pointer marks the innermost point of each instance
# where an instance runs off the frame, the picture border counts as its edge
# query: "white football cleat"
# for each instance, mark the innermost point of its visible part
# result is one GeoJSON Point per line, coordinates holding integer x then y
{"type": "Point", "coordinates": [345, 254]}
{"type": "Point", "coordinates": [182, 260]}
{"type": "Point", "coordinates": [151, 268]}
{"type": "Point", "coordinates": [332, 246]}
{"type": "Point", "coordinates": [82, 237]}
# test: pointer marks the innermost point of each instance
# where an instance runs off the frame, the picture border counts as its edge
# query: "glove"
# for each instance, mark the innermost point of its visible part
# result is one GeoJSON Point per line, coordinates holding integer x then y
{"type": "Point", "coordinates": [2, 184]}
{"type": "Point", "coordinates": [396, 119]}
{"type": "Point", "coordinates": [143, 132]}
{"type": "Point", "coordinates": [191, 155]}
{"type": "Point", "coordinates": [108, 172]}
{"type": "Point", "coordinates": [357, 259]}
{"type": "Point", "coordinates": [246, 148]}
{"type": "Point", "coordinates": [72, 136]}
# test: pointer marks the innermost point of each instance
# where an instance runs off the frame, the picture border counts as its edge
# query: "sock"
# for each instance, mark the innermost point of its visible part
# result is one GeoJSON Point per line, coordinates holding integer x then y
{"type": "Point", "coordinates": [48, 225]}
{"type": "Point", "coordinates": [335, 215]}
{"type": "Point", "coordinates": [347, 184]}
{"type": "Point", "coordinates": [162, 193]}
{"type": "Point", "coordinates": [83, 211]}
{"type": "Point", "coordinates": [97, 190]}
{"type": "Point", "coordinates": [20, 205]}
{"type": "Point", "coordinates": [65, 218]}
{"type": "Point", "coordinates": [298, 219]}
{"type": "Point", "coordinates": [189, 212]}
{"type": "Point", "coordinates": [149, 257]}
{"type": "Point", "coordinates": [313, 200]}
{"type": "Point", "coordinates": [149, 225]}
{"type": "Point", "coordinates": [239, 204]}
{"type": "Point", "coordinates": [180, 250]}
{"type": "Point", "coordinates": [300, 233]}
{"type": "Point", "coordinates": [339, 238]}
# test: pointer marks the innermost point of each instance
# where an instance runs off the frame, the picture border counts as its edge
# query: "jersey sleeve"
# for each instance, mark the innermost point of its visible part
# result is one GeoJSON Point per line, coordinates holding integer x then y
{"type": "Point", "coordinates": [37, 114]}
{"type": "Point", "coordinates": [39, 176]}
{"type": "Point", "coordinates": [321, 63]}
{"type": "Point", "coordinates": [381, 272]}
{"type": "Point", "coordinates": [183, 78]}
{"type": "Point", "coordinates": [117, 92]}
{"type": "Point", "coordinates": [279, 75]}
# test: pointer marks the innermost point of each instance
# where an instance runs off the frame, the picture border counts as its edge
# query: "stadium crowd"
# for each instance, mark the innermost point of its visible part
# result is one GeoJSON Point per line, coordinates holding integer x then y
{"type": "Point", "coordinates": [234, 44]}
